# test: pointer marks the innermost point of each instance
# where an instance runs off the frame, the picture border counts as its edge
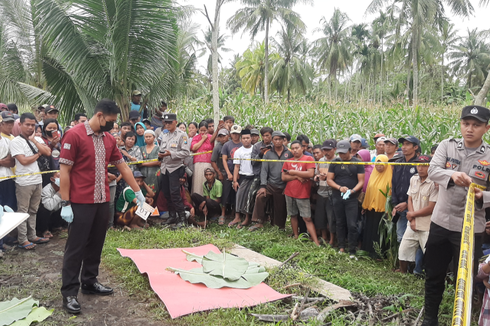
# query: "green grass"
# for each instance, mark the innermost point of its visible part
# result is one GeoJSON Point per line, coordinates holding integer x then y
{"type": "Point", "coordinates": [364, 276]}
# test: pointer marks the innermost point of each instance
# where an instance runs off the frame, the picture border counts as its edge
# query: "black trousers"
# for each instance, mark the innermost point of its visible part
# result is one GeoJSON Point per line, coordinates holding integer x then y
{"type": "Point", "coordinates": [346, 215]}
{"type": "Point", "coordinates": [170, 186]}
{"type": "Point", "coordinates": [442, 246]}
{"type": "Point", "coordinates": [86, 236]}
{"type": "Point", "coordinates": [48, 220]}
{"type": "Point", "coordinates": [214, 208]}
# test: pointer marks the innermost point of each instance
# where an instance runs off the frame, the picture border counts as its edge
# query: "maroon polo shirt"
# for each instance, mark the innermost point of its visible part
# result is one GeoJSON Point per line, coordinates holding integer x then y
{"type": "Point", "coordinates": [89, 154]}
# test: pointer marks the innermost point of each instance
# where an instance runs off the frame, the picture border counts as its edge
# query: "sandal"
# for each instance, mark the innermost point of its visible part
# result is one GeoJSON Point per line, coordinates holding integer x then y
{"type": "Point", "coordinates": [40, 240]}
{"type": "Point", "coordinates": [221, 220]}
{"type": "Point", "coordinates": [47, 235]}
{"type": "Point", "coordinates": [232, 224]}
{"type": "Point", "coordinates": [254, 228]}
{"type": "Point", "coordinates": [29, 246]}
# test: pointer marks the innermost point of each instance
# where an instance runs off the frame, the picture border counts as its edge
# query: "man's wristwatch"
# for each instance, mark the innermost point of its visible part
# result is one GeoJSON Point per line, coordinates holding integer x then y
{"type": "Point", "coordinates": [65, 203]}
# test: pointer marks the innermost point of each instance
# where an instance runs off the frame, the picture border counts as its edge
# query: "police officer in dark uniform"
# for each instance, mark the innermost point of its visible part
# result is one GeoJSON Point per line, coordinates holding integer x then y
{"type": "Point", "coordinates": [174, 148]}
{"type": "Point", "coordinates": [455, 165]}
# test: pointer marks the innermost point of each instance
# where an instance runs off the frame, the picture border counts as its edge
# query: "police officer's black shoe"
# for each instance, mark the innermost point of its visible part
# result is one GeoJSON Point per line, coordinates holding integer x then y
{"type": "Point", "coordinates": [96, 288]}
{"type": "Point", "coordinates": [430, 322]}
{"type": "Point", "coordinates": [71, 305]}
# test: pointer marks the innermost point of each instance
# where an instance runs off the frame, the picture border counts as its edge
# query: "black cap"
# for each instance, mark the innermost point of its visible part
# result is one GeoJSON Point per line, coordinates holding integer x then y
{"type": "Point", "coordinates": [246, 132]}
{"type": "Point", "coordinates": [477, 112]}
{"type": "Point", "coordinates": [7, 116]}
{"type": "Point", "coordinates": [414, 140]}
{"type": "Point", "coordinates": [169, 117]}
{"type": "Point", "coordinates": [51, 108]}
{"type": "Point", "coordinates": [134, 114]}
{"type": "Point", "coordinates": [329, 144]}
{"type": "Point", "coordinates": [138, 174]}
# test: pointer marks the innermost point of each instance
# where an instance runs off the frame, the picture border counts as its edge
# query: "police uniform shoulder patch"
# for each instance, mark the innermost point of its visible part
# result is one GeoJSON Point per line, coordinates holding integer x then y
{"type": "Point", "coordinates": [185, 139]}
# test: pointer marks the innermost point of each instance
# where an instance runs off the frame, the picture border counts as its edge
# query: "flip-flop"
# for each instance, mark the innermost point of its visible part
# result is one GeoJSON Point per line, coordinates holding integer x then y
{"type": "Point", "coordinates": [47, 235]}
{"type": "Point", "coordinates": [254, 228]}
{"type": "Point", "coordinates": [30, 244]}
{"type": "Point", "coordinates": [40, 241]}
{"type": "Point", "coordinates": [221, 220]}
{"type": "Point", "coordinates": [232, 224]}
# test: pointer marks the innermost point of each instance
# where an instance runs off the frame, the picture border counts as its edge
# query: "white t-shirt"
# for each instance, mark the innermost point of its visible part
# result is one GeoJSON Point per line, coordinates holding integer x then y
{"type": "Point", "coordinates": [19, 146]}
{"type": "Point", "coordinates": [245, 166]}
{"type": "Point", "coordinates": [4, 151]}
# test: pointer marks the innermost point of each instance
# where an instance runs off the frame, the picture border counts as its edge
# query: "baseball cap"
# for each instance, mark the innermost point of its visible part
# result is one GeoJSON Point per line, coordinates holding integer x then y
{"type": "Point", "coordinates": [391, 140]}
{"type": "Point", "coordinates": [236, 129]}
{"type": "Point", "coordinates": [146, 120]}
{"type": "Point", "coordinates": [136, 93]}
{"type": "Point", "coordinates": [223, 132]}
{"type": "Point", "coordinates": [378, 136]}
{"type": "Point", "coordinates": [477, 112]}
{"type": "Point", "coordinates": [3, 106]}
{"type": "Point", "coordinates": [138, 174]}
{"type": "Point", "coordinates": [343, 146]}
{"type": "Point", "coordinates": [414, 140]}
{"type": "Point", "coordinates": [254, 132]}
{"type": "Point", "coordinates": [329, 144]}
{"type": "Point", "coordinates": [381, 139]}
{"type": "Point", "coordinates": [355, 137]}
{"type": "Point", "coordinates": [278, 134]}
{"type": "Point", "coordinates": [364, 143]}
{"type": "Point", "coordinates": [423, 159]}
{"type": "Point", "coordinates": [51, 108]}
{"type": "Point", "coordinates": [134, 115]}
{"type": "Point", "coordinates": [169, 117]}
{"type": "Point", "coordinates": [7, 116]}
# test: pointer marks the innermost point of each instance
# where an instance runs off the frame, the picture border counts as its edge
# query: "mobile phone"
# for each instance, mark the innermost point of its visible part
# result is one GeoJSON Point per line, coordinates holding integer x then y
{"type": "Point", "coordinates": [55, 134]}
{"type": "Point", "coordinates": [268, 146]}
{"type": "Point", "coordinates": [221, 122]}
{"type": "Point", "coordinates": [285, 171]}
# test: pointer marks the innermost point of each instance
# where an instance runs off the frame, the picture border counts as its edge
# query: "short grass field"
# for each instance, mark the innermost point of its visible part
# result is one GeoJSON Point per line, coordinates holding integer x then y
{"type": "Point", "coordinates": [365, 276]}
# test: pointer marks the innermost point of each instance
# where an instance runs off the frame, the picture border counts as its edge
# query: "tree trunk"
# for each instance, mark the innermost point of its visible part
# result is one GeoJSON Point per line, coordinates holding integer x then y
{"type": "Point", "coordinates": [442, 78]}
{"type": "Point", "coordinates": [381, 72]}
{"type": "Point", "coordinates": [480, 97]}
{"type": "Point", "coordinates": [214, 53]}
{"type": "Point", "coordinates": [415, 68]}
{"type": "Point", "coordinates": [266, 68]}
{"type": "Point", "coordinates": [289, 94]}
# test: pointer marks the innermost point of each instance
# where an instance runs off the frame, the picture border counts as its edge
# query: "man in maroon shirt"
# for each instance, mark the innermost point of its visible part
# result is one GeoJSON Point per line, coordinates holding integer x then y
{"type": "Point", "coordinates": [86, 151]}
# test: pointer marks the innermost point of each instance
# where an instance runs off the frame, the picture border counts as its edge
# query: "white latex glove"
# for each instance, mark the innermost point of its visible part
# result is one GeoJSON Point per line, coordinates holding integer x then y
{"type": "Point", "coordinates": [67, 214]}
{"type": "Point", "coordinates": [140, 198]}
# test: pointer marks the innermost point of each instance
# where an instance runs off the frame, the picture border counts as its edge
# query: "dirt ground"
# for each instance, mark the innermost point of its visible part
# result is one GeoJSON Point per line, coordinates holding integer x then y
{"type": "Point", "coordinates": [38, 273]}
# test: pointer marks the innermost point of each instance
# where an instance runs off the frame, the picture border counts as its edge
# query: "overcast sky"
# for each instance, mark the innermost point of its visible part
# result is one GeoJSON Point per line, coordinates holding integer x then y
{"type": "Point", "coordinates": [311, 15]}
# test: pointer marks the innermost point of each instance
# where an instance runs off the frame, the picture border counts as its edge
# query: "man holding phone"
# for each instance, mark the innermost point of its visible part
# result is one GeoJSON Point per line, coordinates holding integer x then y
{"type": "Point", "coordinates": [174, 148]}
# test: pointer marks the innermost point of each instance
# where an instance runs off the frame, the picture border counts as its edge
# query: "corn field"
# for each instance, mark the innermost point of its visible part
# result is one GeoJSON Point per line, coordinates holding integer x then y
{"type": "Point", "coordinates": [320, 121]}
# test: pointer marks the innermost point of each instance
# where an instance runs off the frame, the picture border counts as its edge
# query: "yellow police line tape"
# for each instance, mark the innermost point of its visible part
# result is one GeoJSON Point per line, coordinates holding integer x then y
{"type": "Point", "coordinates": [241, 159]}
{"type": "Point", "coordinates": [464, 284]}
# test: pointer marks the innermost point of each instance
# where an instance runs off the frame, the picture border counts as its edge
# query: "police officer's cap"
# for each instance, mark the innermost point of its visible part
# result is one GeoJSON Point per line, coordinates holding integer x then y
{"type": "Point", "coordinates": [477, 112]}
{"type": "Point", "coordinates": [169, 117]}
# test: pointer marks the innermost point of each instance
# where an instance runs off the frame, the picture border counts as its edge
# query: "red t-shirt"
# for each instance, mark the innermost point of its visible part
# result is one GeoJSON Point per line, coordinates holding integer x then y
{"type": "Point", "coordinates": [89, 154]}
{"type": "Point", "coordinates": [295, 188]}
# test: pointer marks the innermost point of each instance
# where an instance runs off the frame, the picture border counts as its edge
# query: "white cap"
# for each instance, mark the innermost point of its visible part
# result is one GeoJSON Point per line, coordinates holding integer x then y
{"type": "Point", "coordinates": [236, 129]}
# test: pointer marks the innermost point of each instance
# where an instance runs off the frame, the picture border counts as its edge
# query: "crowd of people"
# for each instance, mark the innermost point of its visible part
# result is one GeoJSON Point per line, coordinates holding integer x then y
{"type": "Point", "coordinates": [232, 175]}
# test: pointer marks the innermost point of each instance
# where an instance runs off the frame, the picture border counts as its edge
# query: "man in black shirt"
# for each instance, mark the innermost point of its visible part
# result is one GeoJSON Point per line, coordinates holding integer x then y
{"type": "Point", "coordinates": [346, 179]}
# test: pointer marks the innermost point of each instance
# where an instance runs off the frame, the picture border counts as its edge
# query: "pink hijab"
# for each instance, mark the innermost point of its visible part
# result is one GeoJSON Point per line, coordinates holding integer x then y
{"type": "Point", "coordinates": [366, 157]}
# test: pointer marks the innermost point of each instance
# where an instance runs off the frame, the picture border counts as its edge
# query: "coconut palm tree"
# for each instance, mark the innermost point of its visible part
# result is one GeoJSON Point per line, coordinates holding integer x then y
{"type": "Point", "coordinates": [103, 49]}
{"type": "Point", "coordinates": [416, 15]}
{"type": "Point", "coordinates": [448, 37]}
{"type": "Point", "coordinates": [333, 49]}
{"type": "Point", "coordinates": [258, 15]}
{"type": "Point", "coordinates": [471, 57]}
{"type": "Point", "coordinates": [291, 72]}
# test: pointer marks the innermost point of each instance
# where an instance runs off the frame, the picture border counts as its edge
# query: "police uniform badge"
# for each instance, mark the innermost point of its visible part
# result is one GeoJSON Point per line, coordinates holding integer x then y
{"type": "Point", "coordinates": [412, 170]}
{"type": "Point", "coordinates": [185, 139]}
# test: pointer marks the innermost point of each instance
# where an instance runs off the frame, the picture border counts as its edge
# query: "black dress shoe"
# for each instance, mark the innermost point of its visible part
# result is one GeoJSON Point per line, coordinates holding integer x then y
{"type": "Point", "coordinates": [71, 305]}
{"type": "Point", "coordinates": [96, 288]}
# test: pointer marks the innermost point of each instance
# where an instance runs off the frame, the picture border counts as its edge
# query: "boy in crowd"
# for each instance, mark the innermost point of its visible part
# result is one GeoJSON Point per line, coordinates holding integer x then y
{"type": "Point", "coordinates": [209, 203]}
{"type": "Point", "coordinates": [243, 177]}
{"type": "Point", "coordinates": [227, 152]}
{"type": "Point", "coordinates": [422, 198]}
{"type": "Point", "coordinates": [324, 207]}
{"type": "Point", "coordinates": [287, 139]}
{"type": "Point", "coordinates": [391, 147]}
{"type": "Point", "coordinates": [229, 122]}
{"type": "Point", "coordinates": [298, 188]}
{"type": "Point", "coordinates": [255, 136]}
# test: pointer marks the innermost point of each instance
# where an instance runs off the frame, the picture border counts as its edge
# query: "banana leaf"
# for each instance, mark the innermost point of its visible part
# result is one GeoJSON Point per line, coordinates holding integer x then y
{"type": "Point", "coordinates": [197, 275]}
{"type": "Point", "coordinates": [37, 315]}
{"type": "Point", "coordinates": [15, 309]}
{"type": "Point", "coordinates": [224, 265]}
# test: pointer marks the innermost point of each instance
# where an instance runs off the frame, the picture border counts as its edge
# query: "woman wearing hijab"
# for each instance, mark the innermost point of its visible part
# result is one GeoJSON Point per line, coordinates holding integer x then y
{"type": "Point", "coordinates": [366, 157]}
{"type": "Point", "coordinates": [140, 129]}
{"type": "Point", "coordinates": [374, 203]}
{"type": "Point", "coordinates": [151, 170]}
